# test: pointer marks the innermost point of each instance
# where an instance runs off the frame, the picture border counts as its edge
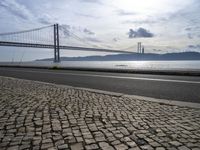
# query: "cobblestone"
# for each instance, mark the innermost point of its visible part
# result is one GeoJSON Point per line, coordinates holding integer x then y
{"type": "Point", "coordinates": [35, 115]}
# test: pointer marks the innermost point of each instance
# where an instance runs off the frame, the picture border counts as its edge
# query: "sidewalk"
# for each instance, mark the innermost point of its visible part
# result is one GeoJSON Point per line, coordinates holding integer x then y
{"type": "Point", "coordinates": [36, 115]}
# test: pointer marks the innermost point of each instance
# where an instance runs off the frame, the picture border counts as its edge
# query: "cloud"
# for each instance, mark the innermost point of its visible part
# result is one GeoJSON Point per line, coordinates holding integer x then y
{"type": "Point", "coordinates": [65, 30]}
{"type": "Point", "coordinates": [116, 39]}
{"type": "Point", "coordinates": [21, 11]}
{"type": "Point", "coordinates": [122, 12]}
{"type": "Point", "coordinates": [44, 21]}
{"type": "Point", "coordinates": [91, 39]}
{"type": "Point", "coordinates": [188, 29]}
{"type": "Point", "coordinates": [189, 35]}
{"type": "Point", "coordinates": [141, 22]}
{"type": "Point", "coordinates": [194, 46]}
{"type": "Point", "coordinates": [140, 33]}
{"type": "Point", "coordinates": [92, 1]}
{"type": "Point", "coordinates": [88, 16]}
{"type": "Point", "coordinates": [78, 33]}
{"type": "Point", "coordinates": [192, 32]}
{"type": "Point", "coordinates": [88, 32]}
{"type": "Point", "coordinates": [157, 50]}
{"type": "Point", "coordinates": [16, 9]}
{"type": "Point", "coordinates": [149, 20]}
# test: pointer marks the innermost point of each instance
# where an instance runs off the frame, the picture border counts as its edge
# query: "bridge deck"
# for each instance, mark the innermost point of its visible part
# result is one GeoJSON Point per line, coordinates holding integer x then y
{"type": "Point", "coordinates": [49, 46]}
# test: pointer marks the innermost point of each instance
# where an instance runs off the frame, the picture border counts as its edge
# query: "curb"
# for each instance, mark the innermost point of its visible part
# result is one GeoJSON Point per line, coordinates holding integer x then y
{"type": "Point", "coordinates": [143, 98]}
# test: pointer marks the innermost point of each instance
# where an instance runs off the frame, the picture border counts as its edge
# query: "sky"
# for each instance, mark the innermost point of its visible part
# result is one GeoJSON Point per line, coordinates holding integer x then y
{"type": "Point", "coordinates": [161, 25]}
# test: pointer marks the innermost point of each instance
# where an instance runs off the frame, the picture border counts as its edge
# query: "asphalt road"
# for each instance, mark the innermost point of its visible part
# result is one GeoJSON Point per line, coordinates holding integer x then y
{"type": "Point", "coordinates": [180, 88]}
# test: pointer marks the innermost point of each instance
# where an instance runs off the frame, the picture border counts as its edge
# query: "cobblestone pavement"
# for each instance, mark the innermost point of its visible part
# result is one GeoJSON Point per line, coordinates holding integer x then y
{"type": "Point", "coordinates": [34, 115]}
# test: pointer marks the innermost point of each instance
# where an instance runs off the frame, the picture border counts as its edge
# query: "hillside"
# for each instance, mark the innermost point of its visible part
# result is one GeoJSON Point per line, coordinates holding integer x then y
{"type": "Point", "coordinates": [134, 56]}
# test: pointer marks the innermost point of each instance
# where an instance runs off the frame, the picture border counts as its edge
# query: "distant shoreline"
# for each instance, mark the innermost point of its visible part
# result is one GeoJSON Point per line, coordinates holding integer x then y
{"type": "Point", "coordinates": [183, 56]}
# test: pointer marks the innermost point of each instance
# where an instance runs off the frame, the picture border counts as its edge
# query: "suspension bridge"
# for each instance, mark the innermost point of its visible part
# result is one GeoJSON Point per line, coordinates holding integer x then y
{"type": "Point", "coordinates": [55, 37]}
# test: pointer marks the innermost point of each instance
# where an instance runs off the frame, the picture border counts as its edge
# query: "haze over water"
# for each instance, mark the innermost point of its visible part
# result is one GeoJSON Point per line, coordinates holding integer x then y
{"type": "Point", "coordinates": [125, 65]}
{"type": "Point", "coordinates": [152, 65]}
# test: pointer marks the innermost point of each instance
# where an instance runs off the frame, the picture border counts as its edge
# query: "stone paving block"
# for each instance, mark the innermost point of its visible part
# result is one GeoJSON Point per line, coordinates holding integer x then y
{"type": "Point", "coordinates": [160, 148]}
{"type": "Point", "coordinates": [77, 146]}
{"type": "Point", "coordinates": [63, 146]}
{"type": "Point", "coordinates": [35, 115]}
{"type": "Point", "coordinates": [121, 147]}
{"type": "Point", "coordinates": [91, 147]}
{"type": "Point", "coordinates": [105, 146]}
{"type": "Point", "coordinates": [175, 143]}
{"type": "Point", "coordinates": [183, 148]}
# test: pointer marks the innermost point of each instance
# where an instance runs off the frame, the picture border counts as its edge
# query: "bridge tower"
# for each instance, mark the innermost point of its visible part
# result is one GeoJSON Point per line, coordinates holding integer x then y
{"type": "Point", "coordinates": [139, 50]}
{"type": "Point", "coordinates": [56, 44]}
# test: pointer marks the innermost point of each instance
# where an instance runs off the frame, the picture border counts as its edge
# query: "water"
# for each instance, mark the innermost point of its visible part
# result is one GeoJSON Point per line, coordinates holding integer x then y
{"type": "Point", "coordinates": [121, 65]}
{"type": "Point", "coordinates": [143, 65]}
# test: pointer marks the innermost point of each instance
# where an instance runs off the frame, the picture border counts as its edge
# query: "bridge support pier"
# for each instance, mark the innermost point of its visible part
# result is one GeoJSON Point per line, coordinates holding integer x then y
{"type": "Point", "coordinates": [56, 44]}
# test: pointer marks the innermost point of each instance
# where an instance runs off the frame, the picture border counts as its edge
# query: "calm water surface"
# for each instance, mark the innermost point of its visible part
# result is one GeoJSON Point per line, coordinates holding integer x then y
{"type": "Point", "coordinates": [144, 65]}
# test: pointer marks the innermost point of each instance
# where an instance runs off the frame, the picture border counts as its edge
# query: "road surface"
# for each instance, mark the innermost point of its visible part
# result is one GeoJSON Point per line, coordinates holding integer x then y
{"type": "Point", "coordinates": [179, 88]}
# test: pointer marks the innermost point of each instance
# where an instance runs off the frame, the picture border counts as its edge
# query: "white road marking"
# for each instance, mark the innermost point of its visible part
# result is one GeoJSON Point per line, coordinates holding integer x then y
{"type": "Point", "coordinates": [108, 76]}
